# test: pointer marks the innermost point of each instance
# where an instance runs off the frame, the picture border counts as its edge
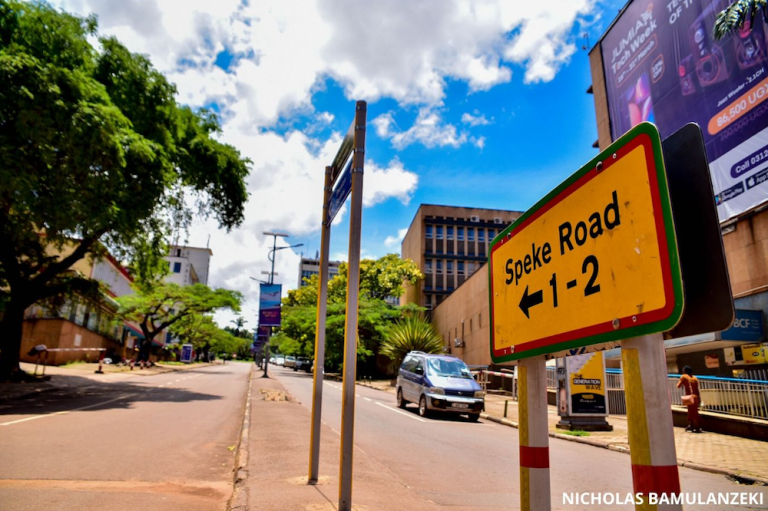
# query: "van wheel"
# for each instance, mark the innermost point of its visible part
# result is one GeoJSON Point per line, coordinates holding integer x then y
{"type": "Point", "coordinates": [474, 417]}
{"type": "Point", "coordinates": [423, 410]}
{"type": "Point", "coordinates": [400, 401]}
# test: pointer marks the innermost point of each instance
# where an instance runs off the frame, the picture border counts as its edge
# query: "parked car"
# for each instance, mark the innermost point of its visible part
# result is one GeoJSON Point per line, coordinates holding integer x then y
{"type": "Point", "coordinates": [303, 363]}
{"type": "Point", "coordinates": [279, 360]}
{"type": "Point", "coordinates": [438, 382]}
{"type": "Point", "coordinates": [272, 360]}
{"type": "Point", "coordinates": [290, 361]}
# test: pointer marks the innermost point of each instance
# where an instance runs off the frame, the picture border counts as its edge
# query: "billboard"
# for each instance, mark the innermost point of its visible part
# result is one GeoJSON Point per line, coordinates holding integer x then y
{"type": "Point", "coordinates": [269, 304]}
{"type": "Point", "coordinates": [662, 65]}
{"type": "Point", "coordinates": [586, 385]}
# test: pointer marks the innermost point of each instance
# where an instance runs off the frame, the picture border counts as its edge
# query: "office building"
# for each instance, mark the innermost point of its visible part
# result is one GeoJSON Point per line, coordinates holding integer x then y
{"type": "Point", "coordinates": [189, 265]}
{"type": "Point", "coordinates": [449, 244]}
{"type": "Point", "coordinates": [309, 267]}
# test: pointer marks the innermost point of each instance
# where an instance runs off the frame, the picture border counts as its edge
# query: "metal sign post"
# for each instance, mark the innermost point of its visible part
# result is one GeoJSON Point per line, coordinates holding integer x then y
{"type": "Point", "coordinates": [534, 435]}
{"type": "Point", "coordinates": [649, 418]}
{"type": "Point", "coordinates": [340, 182]}
{"type": "Point", "coordinates": [350, 331]}
{"type": "Point", "coordinates": [322, 298]}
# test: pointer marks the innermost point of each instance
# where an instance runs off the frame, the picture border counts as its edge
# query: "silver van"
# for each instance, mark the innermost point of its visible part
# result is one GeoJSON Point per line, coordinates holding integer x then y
{"type": "Point", "coordinates": [438, 382]}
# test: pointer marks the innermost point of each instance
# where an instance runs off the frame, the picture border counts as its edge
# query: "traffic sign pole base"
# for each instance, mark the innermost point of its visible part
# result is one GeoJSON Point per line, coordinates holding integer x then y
{"type": "Point", "coordinates": [534, 435]}
{"type": "Point", "coordinates": [584, 424]}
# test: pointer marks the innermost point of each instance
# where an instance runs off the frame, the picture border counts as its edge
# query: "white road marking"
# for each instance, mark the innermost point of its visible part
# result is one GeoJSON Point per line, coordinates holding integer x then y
{"type": "Point", "coordinates": [367, 398]}
{"type": "Point", "coordinates": [401, 412]}
{"type": "Point", "coordinates": [66, 411]}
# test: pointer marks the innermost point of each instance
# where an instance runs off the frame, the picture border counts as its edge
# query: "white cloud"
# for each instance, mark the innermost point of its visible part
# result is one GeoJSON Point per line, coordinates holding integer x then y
{"type": "Point", "coordinates": [391, 241]}
{"type": "Point", "coordinates": [284, 51]}
{"type": "Point", "coordinates": [428, 129]}
{"type": "Point", "coordinates": [474, 120]}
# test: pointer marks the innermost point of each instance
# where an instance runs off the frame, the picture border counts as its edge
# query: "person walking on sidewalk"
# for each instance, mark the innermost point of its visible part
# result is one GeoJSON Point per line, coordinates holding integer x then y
{"type": "Point", "coordinates": [691, 398]}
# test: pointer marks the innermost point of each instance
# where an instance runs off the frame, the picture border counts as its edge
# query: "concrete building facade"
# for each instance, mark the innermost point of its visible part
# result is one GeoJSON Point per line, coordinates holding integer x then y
{"type": "Point", "coordinates": [309, 267]}
{"type": "Point", "coordinates": [188, 265]}
{"type": "Point", "coordinates": [449, 244]}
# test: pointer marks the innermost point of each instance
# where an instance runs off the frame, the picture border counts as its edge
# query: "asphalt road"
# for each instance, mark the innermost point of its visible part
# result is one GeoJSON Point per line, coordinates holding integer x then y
{"type": "Point", "coordinates": [455, 463]}
{"type": "Point", "coordinates": [162, 442]}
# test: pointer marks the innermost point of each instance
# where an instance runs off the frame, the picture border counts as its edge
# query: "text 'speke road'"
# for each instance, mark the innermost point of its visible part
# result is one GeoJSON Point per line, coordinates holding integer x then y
{"type": "Point", "coordinates": [594, 261]}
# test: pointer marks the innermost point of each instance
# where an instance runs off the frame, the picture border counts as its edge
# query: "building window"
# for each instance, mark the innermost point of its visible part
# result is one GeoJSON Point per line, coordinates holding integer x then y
{"type": "Point", "coordinates": [429, 231]}
{"type": "Point", "coordinates": [178, 252]}
{"type": "Point", "coordinates": [439, 266]}
{"type": "Point", "coordinates": [449, 267]}
{"type": "Point", "coordinates": [481, 235]}
{"type": "Point", "coordinates": [491, 234]}
{"type": "Point", "coordinates": [439, 232]}
{"type": "Point", "coordinates": [470, 233]}
{"type": "Point", "coordinates": [449, 230]}
{"type": "Point", "coordinates": [428, 267]}
{"type": "Point", "coordinates": [460, 233]}
{"type": "Point", "coordinates": [460, 267]}
{"type": "Point", "coordinates": [176, 267]}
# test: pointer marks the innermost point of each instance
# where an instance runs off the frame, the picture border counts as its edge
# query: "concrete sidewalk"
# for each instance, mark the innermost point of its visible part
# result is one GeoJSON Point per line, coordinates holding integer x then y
{"type": "Point", "coordinates": [711, 452]}
{"type": "Point", "coordinates": [275, 475]}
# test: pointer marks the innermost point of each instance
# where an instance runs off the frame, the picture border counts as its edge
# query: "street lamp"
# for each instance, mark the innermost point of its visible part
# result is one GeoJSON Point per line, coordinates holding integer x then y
{"type": "Point", "coordinates": [272, 274]}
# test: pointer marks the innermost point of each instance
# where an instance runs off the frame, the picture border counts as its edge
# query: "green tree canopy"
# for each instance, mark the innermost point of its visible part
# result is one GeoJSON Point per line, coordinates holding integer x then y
{"type": "Point", "coordinates": [735, 16]}
{"type": "Point", "coordinates": [95, 154]}
{"type": "Point", "coordinates": [379, 279]}
{"type": "Point", "coordinates": [155, 308]}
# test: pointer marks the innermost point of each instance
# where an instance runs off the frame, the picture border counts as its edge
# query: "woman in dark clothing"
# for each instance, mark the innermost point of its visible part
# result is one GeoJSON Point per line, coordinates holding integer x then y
{"type": "Point", "coordinates": [691, 386]}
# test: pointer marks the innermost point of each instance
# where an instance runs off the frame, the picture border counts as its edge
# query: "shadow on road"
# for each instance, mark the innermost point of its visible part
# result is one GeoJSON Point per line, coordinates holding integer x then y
{"type": "Point", "coordinates": [72, 392]}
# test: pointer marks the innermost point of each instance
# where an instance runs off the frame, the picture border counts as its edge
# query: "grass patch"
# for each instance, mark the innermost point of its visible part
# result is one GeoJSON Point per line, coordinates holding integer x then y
{"type": "Point", "coordinates": [575, 432]}
{"type": "Point", "coordinates": [75, 363]}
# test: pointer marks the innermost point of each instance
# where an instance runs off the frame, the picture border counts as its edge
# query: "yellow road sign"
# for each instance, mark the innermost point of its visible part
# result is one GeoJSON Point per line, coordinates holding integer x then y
{"type": "Point", "coordinates": [594, 261]}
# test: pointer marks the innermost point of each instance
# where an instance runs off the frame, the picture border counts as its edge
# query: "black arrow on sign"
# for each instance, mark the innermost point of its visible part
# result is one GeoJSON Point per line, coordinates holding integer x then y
{"type": "Point", "coordinates": [528, 301]}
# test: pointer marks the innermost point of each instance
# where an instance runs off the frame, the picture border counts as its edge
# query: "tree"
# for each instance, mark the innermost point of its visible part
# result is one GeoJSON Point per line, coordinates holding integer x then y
{"type": "Point", "coordinates": [155, 308]}
{"type": "Point", "coordinates": [412, 333]}
{"type": "Point", "coordinates": [95, 155]}
{"type": "Point", "coordinates": [379, 279]}
{"type": "Point", "coordinates": [737, 15]}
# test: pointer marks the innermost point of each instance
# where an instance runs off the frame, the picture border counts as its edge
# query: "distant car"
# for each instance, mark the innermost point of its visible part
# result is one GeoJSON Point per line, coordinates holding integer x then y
{"type": "Point", "coordinates": [438, 382]}
{"type": "Point", "coordinates": [279, 360]}
{"type": "Point", "coordinates": [272, 360]}
{"type": "Point", "coordinates": [290, 361]}
{"type": "Point", "coordinates": [303, 363]}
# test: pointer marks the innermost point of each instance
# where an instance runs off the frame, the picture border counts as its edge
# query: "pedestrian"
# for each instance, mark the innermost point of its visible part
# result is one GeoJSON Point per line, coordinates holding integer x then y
{"type": "Point", "coordinates": [691, 398]}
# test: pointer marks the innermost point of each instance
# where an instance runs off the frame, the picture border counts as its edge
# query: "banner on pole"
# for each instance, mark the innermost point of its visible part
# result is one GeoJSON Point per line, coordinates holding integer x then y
{"type": "Point", "coordinates": [269, 305]}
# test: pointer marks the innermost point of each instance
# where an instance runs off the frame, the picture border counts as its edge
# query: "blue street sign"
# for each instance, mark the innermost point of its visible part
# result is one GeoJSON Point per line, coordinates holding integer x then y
{"type": "Point", "coordinates": [748, 326]}
{"type": "Point", "coordinates": [340, 191]}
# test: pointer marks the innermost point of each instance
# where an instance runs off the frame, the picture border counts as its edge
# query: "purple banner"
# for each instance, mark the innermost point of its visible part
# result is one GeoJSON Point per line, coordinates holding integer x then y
{"type": "Point", "coordinates": [269, 305]}
{"type": "Point", "coordinates": [662, 65]}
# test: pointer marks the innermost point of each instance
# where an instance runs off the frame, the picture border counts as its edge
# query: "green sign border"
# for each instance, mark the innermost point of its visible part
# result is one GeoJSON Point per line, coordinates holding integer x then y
{"type": "Point", "coordinates": [669, 227]}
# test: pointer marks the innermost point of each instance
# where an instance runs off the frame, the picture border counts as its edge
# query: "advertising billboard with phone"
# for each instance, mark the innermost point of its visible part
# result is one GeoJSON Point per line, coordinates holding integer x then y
{"type": "Point", "coordinates": [663, 65]}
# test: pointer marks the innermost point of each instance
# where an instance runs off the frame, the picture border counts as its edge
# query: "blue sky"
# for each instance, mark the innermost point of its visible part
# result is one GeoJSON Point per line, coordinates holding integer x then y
{"type": "Point", "coordinates": [484, 104]}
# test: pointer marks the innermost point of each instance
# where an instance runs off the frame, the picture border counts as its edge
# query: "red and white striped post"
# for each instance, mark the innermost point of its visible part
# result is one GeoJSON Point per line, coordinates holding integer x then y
{"type": "Point", "coordinates": [649, 419]}
{"type": "Point", "coordinates": [534, 435]}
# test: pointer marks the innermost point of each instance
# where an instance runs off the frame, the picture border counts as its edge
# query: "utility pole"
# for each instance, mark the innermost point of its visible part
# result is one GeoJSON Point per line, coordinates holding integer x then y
{"type": "Point", "coordinates": [272, 274]}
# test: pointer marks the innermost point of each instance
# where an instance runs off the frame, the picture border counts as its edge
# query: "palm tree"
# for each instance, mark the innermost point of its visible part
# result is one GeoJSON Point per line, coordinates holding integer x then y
{"type": "Point", "coordinates": [412, 333]}
{"type": "Point", "coordinates": [737, 15]}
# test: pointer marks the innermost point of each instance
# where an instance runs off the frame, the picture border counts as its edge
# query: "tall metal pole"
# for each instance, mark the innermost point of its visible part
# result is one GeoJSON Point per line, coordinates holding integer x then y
{"type": "Point", "coordinates": [350, 334]}
{"type": "Point", "coordinates": [534, 435]}
{"type": "Point", "coordinates": [649, 418]}
{"type": "Point", "coordinates": [322, 298]}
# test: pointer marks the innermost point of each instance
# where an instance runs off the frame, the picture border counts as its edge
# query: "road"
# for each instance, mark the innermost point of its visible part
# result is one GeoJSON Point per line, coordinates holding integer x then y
{"type": "Point", "coordinates": [455, 463]}
{"type": "Point", "coordinates": [162, 442]}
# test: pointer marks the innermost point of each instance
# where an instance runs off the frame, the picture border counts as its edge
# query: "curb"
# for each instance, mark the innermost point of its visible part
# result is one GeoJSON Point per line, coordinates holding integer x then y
{"type": "Point", "coordinates": [747, 479]}
{"type": "Point", "coordinates": [239, 498]}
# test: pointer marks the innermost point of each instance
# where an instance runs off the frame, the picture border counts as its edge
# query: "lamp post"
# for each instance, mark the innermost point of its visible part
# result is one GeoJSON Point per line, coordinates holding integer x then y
{"type": "Point", "coordinates": [272, 274]}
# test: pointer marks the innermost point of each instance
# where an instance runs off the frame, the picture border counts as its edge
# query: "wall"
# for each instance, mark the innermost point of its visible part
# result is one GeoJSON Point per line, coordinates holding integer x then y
{"type": "Point", "coordinates": [468, 304]}
{"type": "Point", "coordinates": [413, 248]}
{"type": "Point", "coordinates": [60, 333]}
{"type": "Point", "coordinates": [746, 250]}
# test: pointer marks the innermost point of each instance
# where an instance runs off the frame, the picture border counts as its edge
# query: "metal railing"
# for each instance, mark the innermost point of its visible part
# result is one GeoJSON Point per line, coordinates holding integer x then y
{"type": "Point", "coordinates": [733, 396]}
{"type": "Point", "coordinates": [745, 398]}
